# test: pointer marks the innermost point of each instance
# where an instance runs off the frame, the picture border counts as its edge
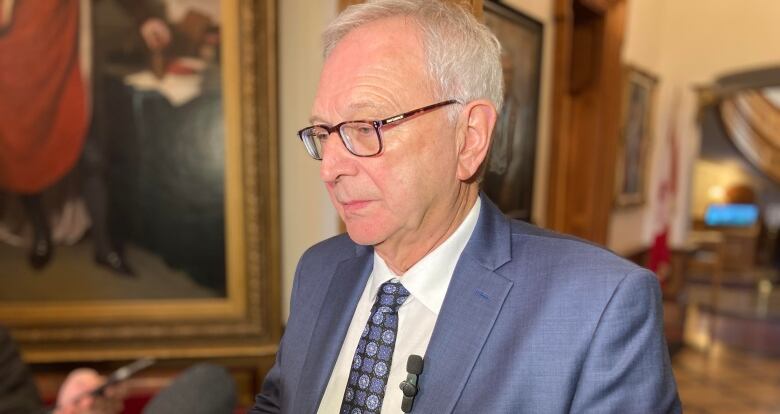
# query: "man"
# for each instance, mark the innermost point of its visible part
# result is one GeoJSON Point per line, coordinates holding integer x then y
{"type": "Point", "coordinates": [509, 318]}
{"type": "Point", "coordinates": [18, 393]}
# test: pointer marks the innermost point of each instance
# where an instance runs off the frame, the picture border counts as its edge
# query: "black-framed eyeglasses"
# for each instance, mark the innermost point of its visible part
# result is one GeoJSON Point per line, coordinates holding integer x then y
{"type": "Point", "coordinates": [361, 138]}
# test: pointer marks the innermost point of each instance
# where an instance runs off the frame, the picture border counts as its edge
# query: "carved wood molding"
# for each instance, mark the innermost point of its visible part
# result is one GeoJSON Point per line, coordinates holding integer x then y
{"type": "Point", "coordinates": [596, 6]}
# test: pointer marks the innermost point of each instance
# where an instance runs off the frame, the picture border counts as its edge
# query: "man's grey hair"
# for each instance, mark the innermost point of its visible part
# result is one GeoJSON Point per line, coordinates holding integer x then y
{"type": "Point", "coordinates": [463, 57]}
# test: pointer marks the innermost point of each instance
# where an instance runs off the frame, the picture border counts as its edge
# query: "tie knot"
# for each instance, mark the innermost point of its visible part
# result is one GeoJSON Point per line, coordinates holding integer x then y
{"type": "Point", "coordinates": [391, 296]}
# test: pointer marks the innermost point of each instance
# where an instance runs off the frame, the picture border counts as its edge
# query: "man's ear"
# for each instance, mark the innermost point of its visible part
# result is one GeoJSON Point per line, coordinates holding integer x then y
{"type": "Point", "coordinates": [477, 121]}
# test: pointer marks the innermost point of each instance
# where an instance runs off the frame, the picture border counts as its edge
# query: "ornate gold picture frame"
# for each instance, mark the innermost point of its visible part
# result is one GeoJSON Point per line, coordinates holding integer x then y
{"type": "Point", "coordinates": [242, 318]}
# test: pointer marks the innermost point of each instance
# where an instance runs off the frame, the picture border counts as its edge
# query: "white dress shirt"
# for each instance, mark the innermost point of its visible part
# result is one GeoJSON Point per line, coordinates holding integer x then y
{"type": "Point", "coordinates": [427, 283]}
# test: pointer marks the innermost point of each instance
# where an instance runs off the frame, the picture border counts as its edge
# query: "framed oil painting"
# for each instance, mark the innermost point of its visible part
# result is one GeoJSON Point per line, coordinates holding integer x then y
{"type": "Point", "coordinates": [138, 181]}
{"type": "Point", "coordinates": [509, 176]}
{"type": "Point", "coordinates": [636, 129]}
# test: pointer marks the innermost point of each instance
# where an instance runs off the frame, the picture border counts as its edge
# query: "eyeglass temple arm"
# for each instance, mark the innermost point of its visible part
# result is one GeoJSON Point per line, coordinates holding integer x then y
{"type": "Point", "coordinates": [418, 111]}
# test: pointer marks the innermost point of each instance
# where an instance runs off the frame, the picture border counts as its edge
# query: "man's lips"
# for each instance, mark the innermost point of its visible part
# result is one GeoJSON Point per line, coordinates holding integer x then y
{"type": "Point", "coordinates": [354, 205]}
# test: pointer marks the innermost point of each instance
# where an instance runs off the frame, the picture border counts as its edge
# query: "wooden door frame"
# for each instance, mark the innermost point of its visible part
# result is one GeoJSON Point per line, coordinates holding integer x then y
{"type": "Point", "coordinates": [586, 115]}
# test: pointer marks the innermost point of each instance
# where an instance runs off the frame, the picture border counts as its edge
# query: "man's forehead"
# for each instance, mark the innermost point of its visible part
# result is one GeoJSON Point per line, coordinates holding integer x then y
{"type": "Point", "coordinates": [362, 107]}
{"type": "Point", "coordinates": [374, 70]}
{"type": "Point", "coordinates": [392, 29]}
{"type": "Point", "coordinates": [393, 38]}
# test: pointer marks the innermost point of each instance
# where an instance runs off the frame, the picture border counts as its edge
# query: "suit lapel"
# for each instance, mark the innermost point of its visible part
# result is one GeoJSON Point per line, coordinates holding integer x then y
{"type": "Point", "coordinates": [335, 315]}
{"type": "Point", "coordinates": [472, 305]}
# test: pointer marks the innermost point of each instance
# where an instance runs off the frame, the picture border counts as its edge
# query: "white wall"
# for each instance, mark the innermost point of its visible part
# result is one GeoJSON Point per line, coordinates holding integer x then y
{"type": "Point", "coordinates": [687, 44]}
{"type": "Point", "coordinates": [307, 215]}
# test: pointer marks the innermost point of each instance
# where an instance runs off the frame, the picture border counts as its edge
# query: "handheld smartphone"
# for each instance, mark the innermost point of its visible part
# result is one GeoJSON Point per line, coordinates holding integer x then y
{"type": "Point", "coordinates": [122, 374]}
{"type": "Point", "coordinates": [117, 376]}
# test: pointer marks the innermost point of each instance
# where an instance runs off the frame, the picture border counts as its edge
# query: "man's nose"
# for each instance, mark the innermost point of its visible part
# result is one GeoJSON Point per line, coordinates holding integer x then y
{"type": "Point", "coordinates": [337, 161]}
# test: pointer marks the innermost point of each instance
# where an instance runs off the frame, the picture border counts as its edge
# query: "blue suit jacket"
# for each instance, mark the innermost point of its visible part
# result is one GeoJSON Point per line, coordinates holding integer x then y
{"type": "Point", "coordinates": [533, 322]}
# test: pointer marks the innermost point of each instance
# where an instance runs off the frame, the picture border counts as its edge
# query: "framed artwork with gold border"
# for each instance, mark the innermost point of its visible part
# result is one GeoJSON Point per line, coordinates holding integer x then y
{"type": "Point", "coordinates": [229, 147]}
{"type": "Point", "coordinates": [639, 90]}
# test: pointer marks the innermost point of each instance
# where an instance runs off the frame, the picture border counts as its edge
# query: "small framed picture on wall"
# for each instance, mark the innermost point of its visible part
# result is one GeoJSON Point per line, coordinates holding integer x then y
{"type": "Point", "coordinates": [636, 134]}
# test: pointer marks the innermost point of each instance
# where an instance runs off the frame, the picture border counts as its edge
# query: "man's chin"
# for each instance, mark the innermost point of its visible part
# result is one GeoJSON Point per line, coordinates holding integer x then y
{"type": "Point", "coordinates": [362, 235]}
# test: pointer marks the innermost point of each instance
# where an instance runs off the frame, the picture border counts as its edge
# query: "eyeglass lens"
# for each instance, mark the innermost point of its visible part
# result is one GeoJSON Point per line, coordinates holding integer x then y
{"type": "Point", "coordinates": [360, 138]}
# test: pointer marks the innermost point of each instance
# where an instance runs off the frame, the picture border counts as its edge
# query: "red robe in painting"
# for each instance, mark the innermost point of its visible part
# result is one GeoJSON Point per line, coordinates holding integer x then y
{"type": "Point", "coordinates": [43, 108]}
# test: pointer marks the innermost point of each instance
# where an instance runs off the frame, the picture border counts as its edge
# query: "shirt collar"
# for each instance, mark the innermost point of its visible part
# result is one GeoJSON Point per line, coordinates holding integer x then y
{"type": "Point", "coordinates": [428, 279]}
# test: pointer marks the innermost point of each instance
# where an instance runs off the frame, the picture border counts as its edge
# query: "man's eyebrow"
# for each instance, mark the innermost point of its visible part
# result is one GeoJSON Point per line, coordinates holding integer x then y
{"type": "Point", "coordinates": [351, 108]}
{"type": "Point", "coordinates": [354, 106]}
{"type": "Point", "coordinates": [315, 120]}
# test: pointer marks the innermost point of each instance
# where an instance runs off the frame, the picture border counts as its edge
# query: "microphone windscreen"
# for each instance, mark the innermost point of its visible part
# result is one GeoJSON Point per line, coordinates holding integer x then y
{"type": "Point", "coordinates": [414, 365]}
{"type": "Point", "coordinates": [201, 389]}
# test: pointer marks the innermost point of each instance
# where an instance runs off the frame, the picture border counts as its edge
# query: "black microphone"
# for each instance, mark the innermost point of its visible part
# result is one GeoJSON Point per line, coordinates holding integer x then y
{"type": "Point", "coordinates": [414, 367]}
{"type": "Point", "coordinates": [202, 389]}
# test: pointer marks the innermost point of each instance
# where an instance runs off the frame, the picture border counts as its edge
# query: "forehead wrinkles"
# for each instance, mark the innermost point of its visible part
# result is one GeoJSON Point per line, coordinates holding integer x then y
{"type": "Point", "coordinates": [375, 95]}
{"type": "Point", "coordinates": [363, 101]}
{"type": "Point", "coordinates": [374, 71]}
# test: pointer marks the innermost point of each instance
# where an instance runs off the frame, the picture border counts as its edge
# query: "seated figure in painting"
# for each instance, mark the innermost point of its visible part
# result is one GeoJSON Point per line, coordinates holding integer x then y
{"type": "Point", "coordinates": [46, 127]}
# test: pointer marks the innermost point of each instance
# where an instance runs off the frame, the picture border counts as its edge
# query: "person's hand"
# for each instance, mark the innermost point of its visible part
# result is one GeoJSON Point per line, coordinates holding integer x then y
{"type": "Point", "coordinates": [74, 395]}
{"type": "Point", "coordinates": [156, 34]}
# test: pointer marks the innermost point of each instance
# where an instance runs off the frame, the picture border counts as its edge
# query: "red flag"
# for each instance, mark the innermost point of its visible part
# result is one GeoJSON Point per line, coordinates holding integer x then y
{"type": "Point", "coordinates": [660, 255]}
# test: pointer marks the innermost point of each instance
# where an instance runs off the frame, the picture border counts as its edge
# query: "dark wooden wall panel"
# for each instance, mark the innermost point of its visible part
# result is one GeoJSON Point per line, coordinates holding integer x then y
{"type": "Point", "coordinates": [586, 116]}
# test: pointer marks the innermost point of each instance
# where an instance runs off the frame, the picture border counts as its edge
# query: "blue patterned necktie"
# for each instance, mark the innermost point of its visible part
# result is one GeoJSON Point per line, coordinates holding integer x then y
{"type": "Point", "coordinates": [374, 354]}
